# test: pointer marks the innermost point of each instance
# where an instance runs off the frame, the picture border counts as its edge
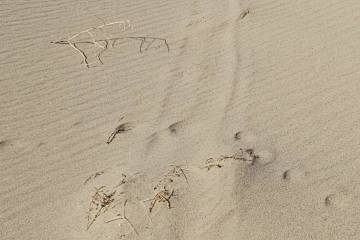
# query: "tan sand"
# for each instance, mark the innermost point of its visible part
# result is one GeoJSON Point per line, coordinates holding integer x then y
{"type": "Point", "coordinates": [273, 85]}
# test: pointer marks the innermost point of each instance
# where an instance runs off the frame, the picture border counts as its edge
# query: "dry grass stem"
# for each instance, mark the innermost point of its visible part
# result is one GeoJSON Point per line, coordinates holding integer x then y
{"type": "Point", "coordinates": [147, 42]}
{"type": "Point", "coordinates": [93, 176]}
{"type": "Point", "coordinates": [244, 14]}
{"type": "Point", "coordinates": [247, 155]}
{"type": "Point", "coordinates": [123, 180]}
{"type": "Point", "coordinates": [178, 171]}
{"type": "Point", "coordinates": [124, 127]}
{"type": "Point", "coordinates": [169, 177]}
{"type": "Point", "coordinates": [123, 26]}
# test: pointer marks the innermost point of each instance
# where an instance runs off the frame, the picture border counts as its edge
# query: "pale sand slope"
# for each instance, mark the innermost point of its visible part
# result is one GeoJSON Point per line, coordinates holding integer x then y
{"type": "Point", "coordinates": [286, 76]}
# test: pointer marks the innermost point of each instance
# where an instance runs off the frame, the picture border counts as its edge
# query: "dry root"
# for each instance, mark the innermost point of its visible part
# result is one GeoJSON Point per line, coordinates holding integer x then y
{"type": "Point", "coordinates": [103, 44]}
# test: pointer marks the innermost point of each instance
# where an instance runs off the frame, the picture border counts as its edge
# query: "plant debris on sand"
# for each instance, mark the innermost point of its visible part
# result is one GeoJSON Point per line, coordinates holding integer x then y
{"type": "Point", "coordinates": [100, 202]}
{"type": "Point", "coordinates": [246, 155]}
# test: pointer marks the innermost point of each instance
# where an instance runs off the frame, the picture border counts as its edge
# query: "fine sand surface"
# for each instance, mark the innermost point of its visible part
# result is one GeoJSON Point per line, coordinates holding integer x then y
{"type": "Point", "coordinates": [247, 128]}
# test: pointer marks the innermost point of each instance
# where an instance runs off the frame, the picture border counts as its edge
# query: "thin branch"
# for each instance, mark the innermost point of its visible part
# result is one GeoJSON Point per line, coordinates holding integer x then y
{"type": "Point", "coordinates": [97, 43]}
{"type": "Point", "coordinates": [126, 24]}
{"type": "Point", "coordinates": [246, 156]}
{"type": "Point", "coordinates": [82, 53]}
{"type": "Point", "coordinates": [102, 51]}
{"type": "Point", "coordinates": [186, 179]}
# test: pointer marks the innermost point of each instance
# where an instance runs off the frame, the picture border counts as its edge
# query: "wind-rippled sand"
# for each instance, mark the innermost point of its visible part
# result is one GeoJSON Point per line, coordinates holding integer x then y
{"type": "Point", "coordinates": [247, 128]}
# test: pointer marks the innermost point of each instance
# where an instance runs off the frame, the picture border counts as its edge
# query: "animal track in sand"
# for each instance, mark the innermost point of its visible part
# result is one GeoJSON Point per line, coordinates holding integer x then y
{"type": "Point", "coordinates": [77, 123]}
{"type": "Point", "coordinates": [329, 200]}
{"type": "Point", "coordinates": [237, 136]}
{"type": "Point", "coordinates": [173, 128]}
{"type": "Point", "coordinates": [3, 143]}
{"type": "Point", "coordinates": [262, 146]}
{"type": "Point", "coordinates": [294, 175]}
{"type": "Point", "coordinates": [339, 200]}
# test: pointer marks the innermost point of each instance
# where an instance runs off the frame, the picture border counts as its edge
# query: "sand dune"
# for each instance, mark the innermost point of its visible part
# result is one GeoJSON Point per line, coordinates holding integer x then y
{"type": "Point", "coordinates": [247, 127]}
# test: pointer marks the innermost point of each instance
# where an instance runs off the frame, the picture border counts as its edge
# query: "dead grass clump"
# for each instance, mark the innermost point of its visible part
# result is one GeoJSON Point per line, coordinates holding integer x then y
{"type": "Point", "coordinates": [100, 203]}
{"type": "Point", "coordinates": [167, 181]}
{"type": "Point", "coordinates": [161, 196]}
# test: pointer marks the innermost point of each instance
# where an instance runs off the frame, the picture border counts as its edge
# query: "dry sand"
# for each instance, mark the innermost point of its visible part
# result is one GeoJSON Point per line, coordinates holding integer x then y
{"type": "Point", "coordinates": [282, 76]}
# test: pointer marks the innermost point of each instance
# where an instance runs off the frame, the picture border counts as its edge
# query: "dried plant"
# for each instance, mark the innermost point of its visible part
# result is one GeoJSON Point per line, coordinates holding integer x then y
{"type": "Point", "coordinates": [99, 204]}
{"type": "Point", "coordinates": [161, 196]}
{"type": "Point", "coordinates": [163, 193]}
{"type": "Point", "coordinates": [93, 176]}
{"type": "Point", "coordinates": [175, 172]}
{"type": "Point", "coordinates": [104, 43]}
{"type": "Point", "coordinates": [247, 155]}
{"type": "Point", "coordinates": [123, 180]}
{"type": "Point", "coordinates": [124, 127]}
{"type": "Point", "coordinates": [71, 41]}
